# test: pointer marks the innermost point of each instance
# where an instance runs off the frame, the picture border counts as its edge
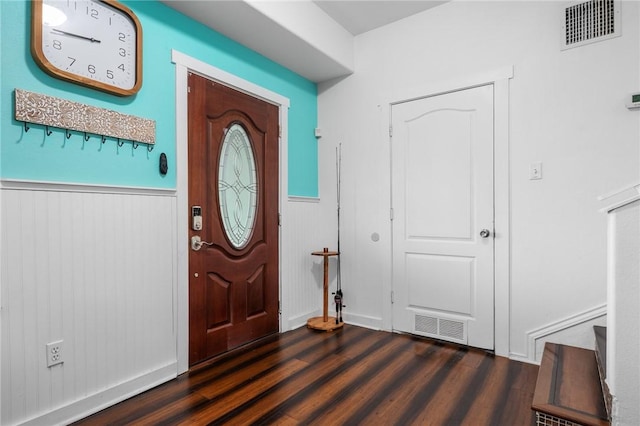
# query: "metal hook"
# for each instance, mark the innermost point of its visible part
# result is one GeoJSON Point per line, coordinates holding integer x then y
{"type": "Point", "coordinates": [120, 143]}
{"type": "Point", "coordinates": [26, 127]}
{"type": "Point", "coordinates": [86, 136]}
{"type": "Point", "coordinates": [68, 133]}
{"type": "Point", "coordinates": [135, 144]}
{"type": "Point", "coordinates": [48, 131]}
{"type": "Point", "coordinates": [149, 147]}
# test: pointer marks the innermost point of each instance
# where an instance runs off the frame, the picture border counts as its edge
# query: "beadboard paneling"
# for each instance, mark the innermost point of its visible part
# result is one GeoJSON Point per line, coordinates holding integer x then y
{"type": "Point", "coordinates": [96, 270]}
{"type": "Point", "coordinates": [307, 226]}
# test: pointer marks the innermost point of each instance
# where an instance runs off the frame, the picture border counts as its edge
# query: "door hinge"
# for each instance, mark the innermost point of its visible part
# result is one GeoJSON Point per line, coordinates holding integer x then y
{"type": "Point", "coordinates": [188, 89]}
{"type": "Point", "coordinates": [279, 308]}
{"type": "Point", "coordinates": [391, 213]}
{"type": "Point", "coordinates": [390, 131]}
{"type": "Point", "coordinates": [392, 301]}
{"type": "Point", "coordinates": [279, 219]}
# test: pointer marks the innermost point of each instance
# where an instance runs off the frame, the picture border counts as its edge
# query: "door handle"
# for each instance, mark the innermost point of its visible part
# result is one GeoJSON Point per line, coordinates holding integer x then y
{"type": "Point", "coordinates": [485, 233]}
{"type": "Point", "coordinates": [197, 243]}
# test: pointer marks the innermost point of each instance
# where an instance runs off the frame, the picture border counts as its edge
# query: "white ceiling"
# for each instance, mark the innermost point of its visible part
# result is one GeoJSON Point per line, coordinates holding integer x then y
{"type": "Point", "coordinates": [360, 16]}
{"type": "Point", "coordinates": [312, 38]}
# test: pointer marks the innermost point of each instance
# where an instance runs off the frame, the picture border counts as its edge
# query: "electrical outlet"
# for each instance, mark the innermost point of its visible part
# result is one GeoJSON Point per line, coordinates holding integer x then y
{"type": "Point", "coordinates": [54, 353]}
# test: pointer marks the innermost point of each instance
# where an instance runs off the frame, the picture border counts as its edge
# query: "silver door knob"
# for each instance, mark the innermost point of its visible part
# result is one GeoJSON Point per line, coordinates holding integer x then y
{"type": "Point", "coordinates": [485, 233]}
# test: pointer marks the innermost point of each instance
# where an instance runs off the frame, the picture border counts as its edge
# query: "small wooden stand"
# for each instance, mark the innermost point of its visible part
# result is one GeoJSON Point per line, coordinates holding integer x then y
{"type": "Point", "coordinates": [325, 322]}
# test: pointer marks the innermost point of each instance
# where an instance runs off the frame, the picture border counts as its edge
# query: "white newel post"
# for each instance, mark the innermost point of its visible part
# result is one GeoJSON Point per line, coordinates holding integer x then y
{"type": "Point", "coordinates": [623, 316]}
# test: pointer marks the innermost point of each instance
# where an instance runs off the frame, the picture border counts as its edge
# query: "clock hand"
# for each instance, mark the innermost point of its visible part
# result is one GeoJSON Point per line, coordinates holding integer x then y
{"type": "Point", "coordinates": [91, 39]}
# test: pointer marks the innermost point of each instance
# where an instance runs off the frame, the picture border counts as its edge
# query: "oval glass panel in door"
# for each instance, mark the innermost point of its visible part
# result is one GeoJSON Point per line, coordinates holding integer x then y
{"type": "Point", "coordinates": [237, 186]}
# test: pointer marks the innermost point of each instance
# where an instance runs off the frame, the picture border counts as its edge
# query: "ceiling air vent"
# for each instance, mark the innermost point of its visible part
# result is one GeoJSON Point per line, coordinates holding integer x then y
{"type": "Point", "coordinates": [590, 21]}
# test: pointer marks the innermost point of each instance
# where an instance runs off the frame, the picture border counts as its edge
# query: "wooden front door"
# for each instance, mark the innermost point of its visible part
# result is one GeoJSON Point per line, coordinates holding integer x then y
{"type": "Point", "coordinates": [233, 187]}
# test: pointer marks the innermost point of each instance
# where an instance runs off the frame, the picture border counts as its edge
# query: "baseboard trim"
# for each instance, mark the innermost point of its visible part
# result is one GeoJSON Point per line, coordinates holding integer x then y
{"type": "Point", "coordinates": [301, 320]}
{"type": "Point", "coordinates": [374, 323]}
{"type": "Point", "coordinates": [101, 400]}
{"type": "Point", "coordinates": [514, 356]}
{"type": "Point", "coordinates": [540, 333]}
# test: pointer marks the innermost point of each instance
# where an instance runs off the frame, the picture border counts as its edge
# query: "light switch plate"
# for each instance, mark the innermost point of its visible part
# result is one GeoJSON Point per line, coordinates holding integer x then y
{"type": "Point", "coordinates": [535, 170]}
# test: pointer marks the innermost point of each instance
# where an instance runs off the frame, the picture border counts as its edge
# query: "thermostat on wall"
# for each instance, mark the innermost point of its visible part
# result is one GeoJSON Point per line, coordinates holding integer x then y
{"type": "Point", "coordinates": [634, 101]}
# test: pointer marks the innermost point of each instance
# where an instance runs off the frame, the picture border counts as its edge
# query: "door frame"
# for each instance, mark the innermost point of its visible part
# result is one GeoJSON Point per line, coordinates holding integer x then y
{"type": "Point", "coordinates": [501, 169]}
{"type": "Point", "coordinates": [185, 64]}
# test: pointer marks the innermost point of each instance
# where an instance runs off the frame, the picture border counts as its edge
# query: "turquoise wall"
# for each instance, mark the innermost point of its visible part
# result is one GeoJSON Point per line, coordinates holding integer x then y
{"type": "Point", "coordinates": [33, 156]}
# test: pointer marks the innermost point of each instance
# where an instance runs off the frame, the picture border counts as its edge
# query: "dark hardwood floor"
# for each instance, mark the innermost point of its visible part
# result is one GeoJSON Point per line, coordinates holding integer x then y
{"type": "Point", "coordinates": [351, 376]}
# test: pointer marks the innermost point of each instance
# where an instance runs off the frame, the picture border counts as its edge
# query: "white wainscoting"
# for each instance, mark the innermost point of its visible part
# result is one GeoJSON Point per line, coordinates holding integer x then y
{"type": "Point", "coordinates": [96, 268]}
{"type": "Point", "coordinates": [306, 227]}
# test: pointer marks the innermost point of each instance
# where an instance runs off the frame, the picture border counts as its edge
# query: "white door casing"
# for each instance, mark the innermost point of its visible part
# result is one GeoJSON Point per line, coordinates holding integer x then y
{"type": "Point", "coordinates": [443, 197]}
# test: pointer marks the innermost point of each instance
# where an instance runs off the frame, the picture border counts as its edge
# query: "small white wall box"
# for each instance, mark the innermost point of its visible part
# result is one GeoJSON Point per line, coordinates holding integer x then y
{"type": "Point", "coordinates": [634, 101]}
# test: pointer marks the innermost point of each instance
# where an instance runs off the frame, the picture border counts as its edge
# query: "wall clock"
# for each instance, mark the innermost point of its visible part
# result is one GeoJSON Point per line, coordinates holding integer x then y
{"type": "Point", "coordinates": [93, 43]}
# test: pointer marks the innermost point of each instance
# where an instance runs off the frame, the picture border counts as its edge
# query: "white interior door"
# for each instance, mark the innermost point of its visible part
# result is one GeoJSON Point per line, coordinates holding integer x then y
{"type": "Point", "coordinates": [442, 198]}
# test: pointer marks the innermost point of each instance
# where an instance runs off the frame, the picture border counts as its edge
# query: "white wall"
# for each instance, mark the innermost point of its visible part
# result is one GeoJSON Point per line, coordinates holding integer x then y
{"type": "Point", "coordinates": [566, 110]}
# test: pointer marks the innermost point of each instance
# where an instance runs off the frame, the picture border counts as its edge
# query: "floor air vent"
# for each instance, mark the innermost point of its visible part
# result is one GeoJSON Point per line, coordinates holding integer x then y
{"type": "Point", "coordinates": [441, 328]}
{"type": "Point", "coordinates": [591, 21]}
{"type": "Point", "coordinates": [426, 324]}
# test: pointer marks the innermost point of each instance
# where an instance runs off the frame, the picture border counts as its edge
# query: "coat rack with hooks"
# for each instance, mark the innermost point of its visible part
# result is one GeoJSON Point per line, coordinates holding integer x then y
{"type": "Point", "coordinates": [87, 136]}
{"type": "Point", "coordinates": [70, 116]}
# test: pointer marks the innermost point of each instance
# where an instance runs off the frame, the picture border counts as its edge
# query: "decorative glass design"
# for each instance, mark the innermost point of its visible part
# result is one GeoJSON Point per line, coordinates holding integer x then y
{"type": "Point", "coordinates": [237, 186]}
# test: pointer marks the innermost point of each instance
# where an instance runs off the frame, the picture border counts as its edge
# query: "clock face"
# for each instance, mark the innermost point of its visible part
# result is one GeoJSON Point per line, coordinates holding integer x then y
{"type": "Point", "coordinates": [94, 43]}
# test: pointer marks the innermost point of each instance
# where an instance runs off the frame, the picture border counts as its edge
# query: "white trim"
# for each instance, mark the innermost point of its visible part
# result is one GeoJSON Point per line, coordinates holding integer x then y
{"type": "Point", "coordinates": [301, 319]}
{"type": "Point", "coordinates": [499, 78]}
{"type": "Point", "coordinates": [576, 320]}
{"type": "Point", "coordinates": [502, 217]}
{"type": "Point", "coordinates": [572, 321]}
{"type": "Point", "coordinates": [622, 203]}
{"type": "Point", "coordinates": [228, 79]}
{"type": "Point", "coordinates": [516, 356]}
{"type": "Point", "coordinates": [2, 315]}
{"type": "Point", "coordinates": [184, 65]}
{"type": "Point", "coordinates": [300, 199]}
{"type": "Point", "coordinates": [101, 400]}
{"type": "Point", "coordinates": [620, 191]}
{"type": "Point", "coordinates": [366, 321]}
{"type": "Point", "coordinates": [32, 185]}
{"type": "Point", "coordinates": [181, 301]}
{"type": "Point", "coordinates": [442, 87]}
{"type": "Point", "coordinates": [612, 304]}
